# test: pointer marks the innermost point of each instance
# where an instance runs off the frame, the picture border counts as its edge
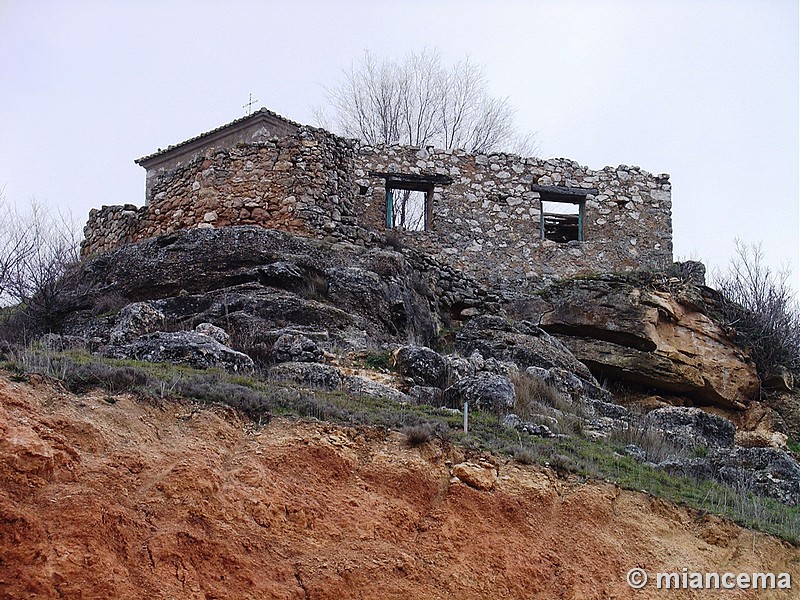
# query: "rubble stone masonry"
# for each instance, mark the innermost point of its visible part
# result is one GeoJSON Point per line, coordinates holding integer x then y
{"type": "Point", "coordinates": [485, 223]}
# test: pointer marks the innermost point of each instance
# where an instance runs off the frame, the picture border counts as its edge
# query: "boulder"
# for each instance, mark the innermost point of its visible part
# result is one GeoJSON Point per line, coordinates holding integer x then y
{"type": "Point", "coordinates": [569, 384]}
{"type": "Point", "coordinates": [477, 475]}
{"type": "Point", "coordinates": [183, 347]}
{"type": "Point", "coordinates": [529, 427]}
{"type": "Point", "coordinates": [692, 427]}
{"type": "Point", "coordinates": [484, 391]}
{"type": "Point", "coordinates": [650, 338]}
{"type": "Point", "coordinates": [765, 471]}
{"type": "Point", "coordinates": [761, 439]}
{"type": "Point", "coordinates": [134, 320]}
{"type": "Point", "coordinates": [212, 331]}
{"type": "Point", "coordinates": [431, 396]}
{"type": "Point", "coordinates": [296, 347]}
{"type": "Point", "coordinates": [423, 365]}
{"type": "Point", "coordinates": [362, 386]}
{"type": "Point", "coordinates": [308, 374]}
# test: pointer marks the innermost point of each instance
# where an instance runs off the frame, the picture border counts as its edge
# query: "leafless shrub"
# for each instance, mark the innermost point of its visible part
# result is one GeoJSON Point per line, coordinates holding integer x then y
{"type": "Point", "coordinates": [256, 343]}
{"type": "Point", "coordinates": [762, 309]}
{"type": "Point", "coordinates": [657, 445]}
{"type": "Point", "coordinates": [394, 240]}
{"type": "Point", "coordinates": [109, 303]}
{"type": "Point", "coordinates": [417, 435]}
{"type": "Point", "coordinates": [315, 286]}
{"type": "Point", "coordinates": [536, 398]}
{"type": "Point", "coordinates": [532, 391]}
{"type": "Point", "coordinates": [524, 456]}
{"type": "Point", "coordinates": [37, 245]}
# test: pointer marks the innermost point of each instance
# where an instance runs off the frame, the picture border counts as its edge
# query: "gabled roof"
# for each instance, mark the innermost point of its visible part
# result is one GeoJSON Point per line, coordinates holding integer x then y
{"type": "Point", "coordinates": [261, 114]}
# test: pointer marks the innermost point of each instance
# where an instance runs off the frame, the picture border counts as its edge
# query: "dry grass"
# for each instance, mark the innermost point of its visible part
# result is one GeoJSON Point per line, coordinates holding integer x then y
{"type": "Point", "coordinates": [540, 400]}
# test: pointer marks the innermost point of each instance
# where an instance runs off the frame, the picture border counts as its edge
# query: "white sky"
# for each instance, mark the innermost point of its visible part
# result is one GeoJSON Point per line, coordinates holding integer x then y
{"type": "Point", "coordinates": [706, 91]}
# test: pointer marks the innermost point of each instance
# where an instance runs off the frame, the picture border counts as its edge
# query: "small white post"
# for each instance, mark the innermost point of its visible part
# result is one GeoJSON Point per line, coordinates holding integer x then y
{"type": "Point", "coordinates": [466, 417]}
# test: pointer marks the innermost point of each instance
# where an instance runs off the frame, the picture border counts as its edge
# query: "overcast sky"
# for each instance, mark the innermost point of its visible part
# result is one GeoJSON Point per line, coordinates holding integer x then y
{"type": "Point", "coordinates": [705, 91]}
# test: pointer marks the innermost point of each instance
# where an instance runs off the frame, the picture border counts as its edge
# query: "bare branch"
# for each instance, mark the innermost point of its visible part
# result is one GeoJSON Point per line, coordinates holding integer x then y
{"type": "Point", "coordinates": [420, 102]}
{"type": "Point", "coordinates": [36, 247]}
{"type": "Point", "coordinates": [761, 307]}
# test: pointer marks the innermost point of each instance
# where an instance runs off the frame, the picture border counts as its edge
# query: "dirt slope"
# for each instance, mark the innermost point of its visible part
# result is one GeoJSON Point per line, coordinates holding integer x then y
{"type": "Point", "coordinates": [129, 500]}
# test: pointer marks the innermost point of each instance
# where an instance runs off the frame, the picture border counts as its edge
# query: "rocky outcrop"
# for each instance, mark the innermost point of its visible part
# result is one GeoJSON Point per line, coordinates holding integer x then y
{"type": "Point", "coordinates": [134, 320]}
{"type": "Point", "coordinates": [362, 386]}
{"type": "Point", "coordinates": [765, 471]}
{"type": "Point", "coordinates": [651, 338]}
{"type": "Point", "coordinates": [311, 374]}
{"type": "Point", "coordinates": [296, 347]}
{"type": "Point", "coordinates": [691, 427]}
{"type": "Point", "coordinates": [183, 347]}
{"type": "Point", "coordinates": [521, 343]}
{"type": "Point", "coordinates": [253, 278]}
{"type": "Point", "coordinates": [212, 331]}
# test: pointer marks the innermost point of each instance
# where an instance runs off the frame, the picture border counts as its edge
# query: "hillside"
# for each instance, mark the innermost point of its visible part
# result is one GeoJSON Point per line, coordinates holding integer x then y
{"type": "Point", "coordinates": [113, 497]}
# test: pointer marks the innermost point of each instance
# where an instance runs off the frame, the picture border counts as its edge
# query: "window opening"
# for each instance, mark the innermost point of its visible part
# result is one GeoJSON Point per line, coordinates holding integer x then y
{"type": "Point", "coordinates": [409, 198]}
{"type": "Point", "coordinates": [562, 212]}
{"type": "Point", "coordinates": [406, 208]}
{"type": "Point", "coordinates": [562, 221]}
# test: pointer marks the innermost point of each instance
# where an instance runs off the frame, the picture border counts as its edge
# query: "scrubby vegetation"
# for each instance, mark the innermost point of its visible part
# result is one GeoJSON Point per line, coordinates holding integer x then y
{"type": "Point", "coordinates": [761, 308]}
{"type": "Point", "coordinates": [260, 399]}
{"type": "Point", "coordinates": [37, 246]}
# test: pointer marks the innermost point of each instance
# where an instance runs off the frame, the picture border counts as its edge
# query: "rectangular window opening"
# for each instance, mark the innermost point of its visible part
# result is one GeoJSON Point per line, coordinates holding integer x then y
{"type": "Point", "coordinates": [561, 221]}
{"type": "Point", "coordinates": [407, 208]}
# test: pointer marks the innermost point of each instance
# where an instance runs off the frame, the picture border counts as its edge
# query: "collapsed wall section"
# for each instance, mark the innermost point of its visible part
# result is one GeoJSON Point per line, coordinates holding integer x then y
{"type": "Point", "coordinates": [488, 221]}
{"type": "Point", "coordinates": [300, 183]}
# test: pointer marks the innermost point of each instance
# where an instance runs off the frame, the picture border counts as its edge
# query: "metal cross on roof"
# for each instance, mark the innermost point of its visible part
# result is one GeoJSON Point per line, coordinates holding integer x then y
{"type": "Point", "coordinates": [249, 105]}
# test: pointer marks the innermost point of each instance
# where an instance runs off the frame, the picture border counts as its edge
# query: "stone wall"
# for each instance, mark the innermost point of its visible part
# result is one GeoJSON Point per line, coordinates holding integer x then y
{"type": "Point", "coordinates": [300, 183]}
{"type": "Point", "coordinates": [487, 222]}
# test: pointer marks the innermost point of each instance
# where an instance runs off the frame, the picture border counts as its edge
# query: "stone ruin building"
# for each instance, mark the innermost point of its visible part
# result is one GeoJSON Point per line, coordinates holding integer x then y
{"type": "Point", "coordinates": [491, 216]}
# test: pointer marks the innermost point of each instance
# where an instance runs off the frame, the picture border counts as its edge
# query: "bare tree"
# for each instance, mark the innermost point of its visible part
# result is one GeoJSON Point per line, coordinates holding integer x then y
{"type": "Point", "coordinates": [762, 308]}
{"type": "Point", "coordinates": [37, 245]}
{"type": "Point", "coordinates": [421, 102]}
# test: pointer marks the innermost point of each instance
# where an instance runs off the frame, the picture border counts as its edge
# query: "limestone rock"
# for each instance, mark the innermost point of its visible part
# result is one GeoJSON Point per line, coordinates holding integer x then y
{"type": "Point", "coordinates": [362, 386]}
{"type": "Point", "coordinates": [212, 331]}
{"type": "Point", "coordinates": [692, 427]}
{"type": "Point", "coordinates": [307, 373]}
{"type": "Point", "coordinates": [477, 475]}
{"type": "Point", "coordinates": [521, 343]}
{"type": "Point", "coordinates": [484, 391]}
{"type": "Point", "coordinates": [569, 384]}
{"type": "Point", "coordinates": [761, 439]}
{"type": "Point", "coordinates": [295, 347]}
{"type": "Point", "coordinates": [765, 471]}
{"type": "Point", "coordinates": [249, 278]}
{"type": "Point", "coordinates": [430, 396]}
{"type": "Point", "coordinates": [651, 339]}
{"type": "Point", "coordinates": [531, 428]}
{"type": "Point", "coordinates": [183, 347]}
{"type": "Point", "coordinates": [423, 365]}
{"type": "Point", "coordinates": [136, 319]}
